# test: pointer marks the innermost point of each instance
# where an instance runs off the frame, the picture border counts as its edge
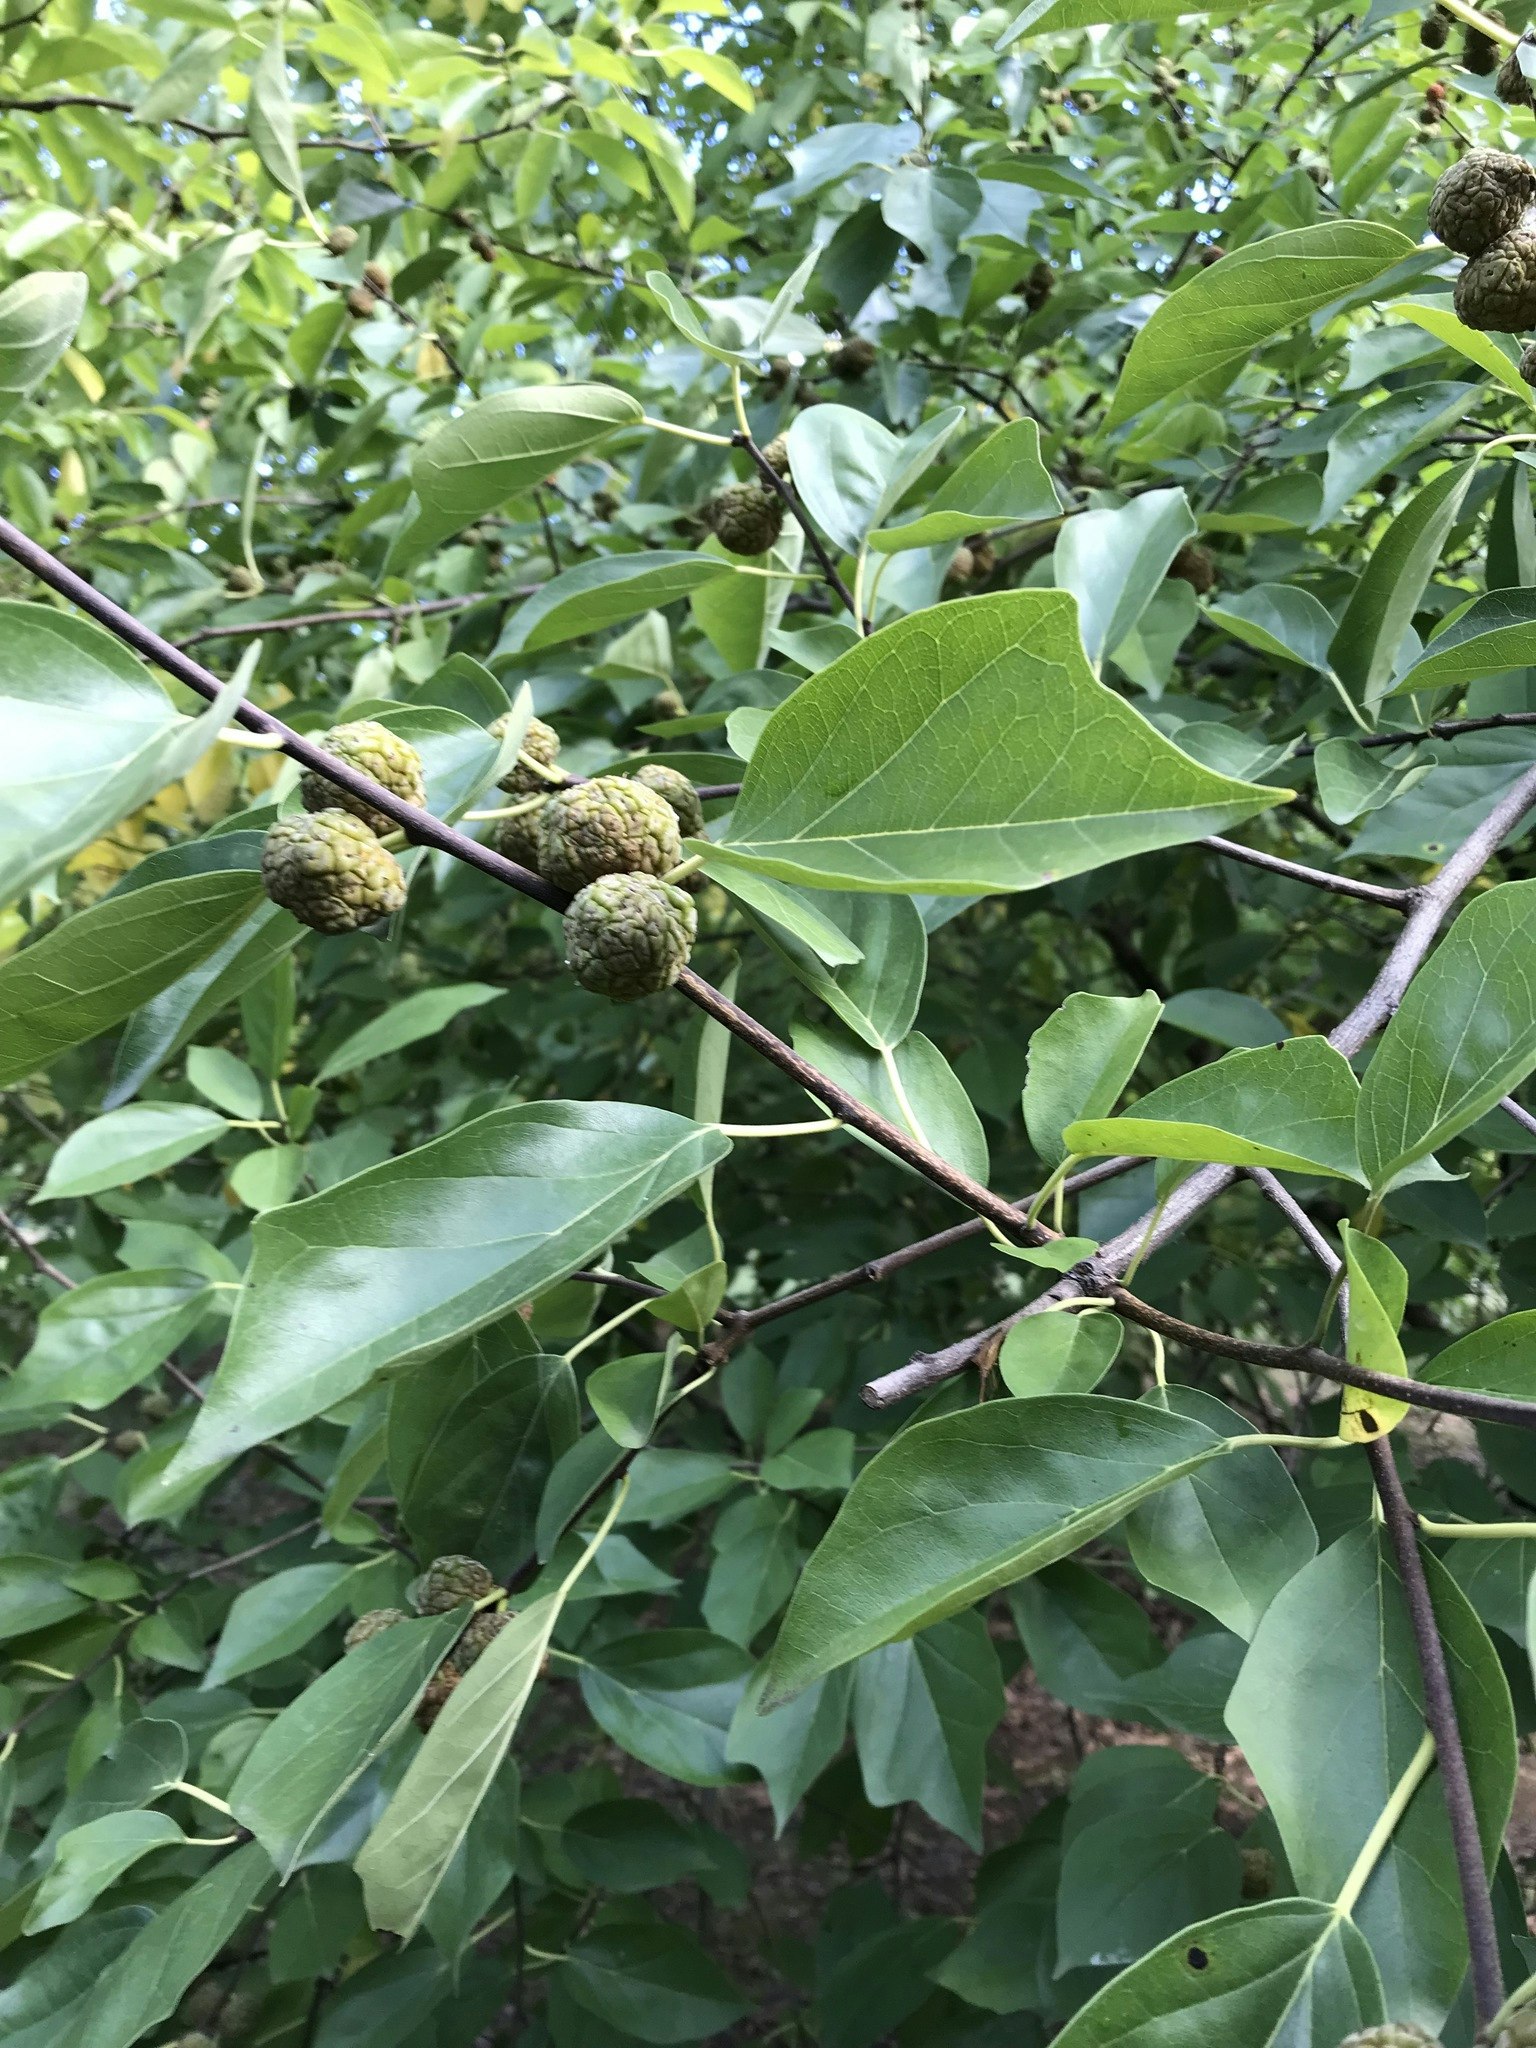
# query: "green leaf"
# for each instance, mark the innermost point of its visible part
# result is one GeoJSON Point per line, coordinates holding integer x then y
{"type": "Point", "coordinates": [106, 1335]}
{"type": "Point", "coordinates": [1001, 482]}
{"type": "Point", "coordinates": [603, 592]}
{"type": "Point", "coordinates": [1130, 1880]}
{"type": "Point", "coordinates": [186, 78]}
{"type": "Point", "coordinates": [877, 995]}
{"type": "Point", "coordinates": [1328, 1709]}
{"type": "Point", "coordinates": [1379, 435]}
{"type": "Point", "coordinates": [1463, 1036]}
{"type": "Point", "coordinates": [667, 1696]}
{"type": "Point", "coordinates": [1381, 607]}
{"type": "Point", "coordinates": [1289, 1106]}
{"type": "Point", "coordinates": [125, 1145]}
{"type": "Point", "coordinates": [89, 972]}
{"type": "Point", "coordinates": [306, 1760]}
{"type": "Point", "coordinates": [1052, 1353]}
{"type": "Point", "coordinates": [408, 1853]}
{"type": "Point", "coordinates": [739, 617]}
{"type": "Point", "coordinates": [1500, 1358]}
{"type": "Point", "coordinates": [1230, 1536]}
{"type": "Point", "coordinates": [1494, 633]}
{"type": "Point", "coordinates": [929, 1104]}
{"type": "Point", "coordinates": [424, 1015]}
{"type": "Point", "coordinates": [476, 1487]}
{"type": "Point", "coordinates": [958, 1506]}
{"type": "Point", "coordinates": [225, 1081]}
{"type": "Point", "coordinates": [380, 1269]}
{"type": "Point", "coordinates": [923, 1713]}
{"type": "Point", "coordinates": [499, 446]}
{"type": "Point", "coordinates": [851, 472]}
{"type": "Point", "coordinates": [1278, 619]}
{"type": "Point", "coordinates": [145, 1984]}
{"type": "Point", "coordinates": [34, 1594]}
{"type": "Point", "coordinates": [1351, 781]}
{"type": "Point", "coordinates": [90, 736]}
{"type": "Point", "coordinates": [1378, 1295]}
{"type": "Point", "coordinates": [907, 705]}
{"type": "Point", "coordinates": [628, 1396]}
{"type": "Point", "coordinates": [790, 1747]}
{"type": "Point", "coordinates": [783, 909]}
{"type": "Point", "coordinates": [1203, 333]}
{"type": "Point", "coordinates": [91, 1858]}
{"type": "Point", "coordinates": [631, 1845]}
{"type": "Point", "coordinates": [652, 1983]}
{"type": "Point", "coordinates": [38, 317]}
{"type": "Point", "coordinates": [279, 1615]}
{"type": "Point", "coordinates": [1477, 347]}
{"type": "Point", "coordinates": [270, 114]}
{"type": "Point", "coordinates": [1114, 560]}
{"type": "Point", "coordinates": [1287, 1974]}
{"type": "Point", "coordinates": [1080, 1059]}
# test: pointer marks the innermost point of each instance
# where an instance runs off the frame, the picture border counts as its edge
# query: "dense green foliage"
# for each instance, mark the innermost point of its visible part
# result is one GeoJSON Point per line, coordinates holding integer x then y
{"type": "Point", "coordinates": [452, 1590]}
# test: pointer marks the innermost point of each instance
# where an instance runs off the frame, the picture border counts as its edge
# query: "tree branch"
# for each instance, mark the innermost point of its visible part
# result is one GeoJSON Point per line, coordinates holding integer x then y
{"type": "Point", "coordinates": [9, 1228]}
{"type": "Point", "coordinates": [783, 488]}
{"type": "Point", "coordinates": [297, 621]}
{"type": "Point", "coordinates": [1315, 878]}
{"type": "Point", "coordinates": [1440, 1715]}
{"type": "Point", "coordinates": [377, 145]}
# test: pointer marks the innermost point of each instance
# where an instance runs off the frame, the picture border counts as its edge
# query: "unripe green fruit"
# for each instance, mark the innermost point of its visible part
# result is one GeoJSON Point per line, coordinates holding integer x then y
{"type": "Point", "coordinates": [240, 580]}
{"type": "Point", "coordinates": [340, 240]}
{"type": "Point", "coordinates": [451, 1581]}
{"type": "Point", "coordinates": [1527, 364]}
{"type": "Point", "coordinates": [628, 936]}
{"type": "Point", "coordinates": [857, 355]}
{"type": "Point", "coordinates": [674, 788]}
{"type": "Point", "coordinates": [1479, 199]}
{"type": "Point", "coordinates": [373, 750]}
{"type": "Point", "coordinates": [1479, 53]}
{"type": "Point", "coordinates": [611, 825]}
{"type": "Point", "coordinates": [776, 455]}
{"type": "Point", "coordinates": [361, 303]}
{"type": "Point", "coordinates": [1512, 85]}
{"type": "Point", "coordinates": [541, 743]}
{"type": "Point", "coordinates": [330, 871]}
{"type": "Point", "coordinates": [745, 518]}
{"type": "Point", "coordinates": [1195, 566]}
{"type": "Point", "coordinates": [1390, 2034]}
{"type": "Point", "coordinates": [1258, 1874]}
{"type": "Point", "coordinates": [1038, 286]}
{"type": "Point", "coordinates": [1519, 2030]}
{"type": "Point", "coordinates": [376, 278]}
{"type": "Point", "coordinates": [439, 1690]}
{"type": "Point", "coordinates": [518, 838]}
{"type": "Point", "coordinates": [155, 1405]}
{"type": "Point", "coordinates": [477, 1638]}
{"type": "Point", "coordinates": [128, 1443]}
{"type": "Point", "coordinates": [372, 1624]}
{"type": "Point", "coordinates": [1496, 291]}
{"type": "Point", "coordinates": [1435, 29]}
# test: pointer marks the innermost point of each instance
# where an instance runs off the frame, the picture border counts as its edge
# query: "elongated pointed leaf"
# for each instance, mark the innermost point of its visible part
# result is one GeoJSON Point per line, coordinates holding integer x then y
{"type": "Point", "coordinates": [913, 797]}
{"type": "Point", "coordinates": [1494, 633]}
{"type": "Point", "coordinates": [1383, 602]}
{"type": "Point", "coordinates": [956, 1507]}
{"type": "Point", "coordinates": [606, 591]}
{"type": "Point", "coordinates": [1080, 1059]}
{"type": "Point", "coordinates": [106, 1335]}
{"type": "Point", "coordinates": [401, 1260]}
{"type": "Point", "coordinates": [125, 1145]}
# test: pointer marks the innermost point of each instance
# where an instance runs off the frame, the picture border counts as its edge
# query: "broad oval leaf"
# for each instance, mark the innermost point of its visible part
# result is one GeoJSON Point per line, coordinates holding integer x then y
{"type": "Point", "coordinates": [924, 1097]}
{"type": "Point", "coordinates": [1463, 1036]}
{"type": "Point", "coordinates": [402, 1259]}
{"type": "Point", "coordinates": [956, 1507]}
{"type": "Point", "coordinates": [1203, 333]}
{"type": "Point", "coordinates": [423, 1015]}
{"type": "Point", "coordinates": [1500, 1358]}
{"type": "Point", "coordinates": [601, 593]}
{"type": "Point", "coordinates": [1114, 561]}
{"type": "Point", "coordinates": [503, 443]}
{"type": "Point", "coordinates": [90, 1858]}
{"type": "Point", "coordinates": [1378, 435]}
{"type": "Point", "coordinates": [1280, 619]}
{"type": "Point", "coordinates": [1080, 1059]}
{"type": "Point", "coordinates": [94, 1343]}
{"type": "Point", "coordinates": [955, 716]}
{"type": "Point", "coordinates": [1000, 483]}
{"type": "Point", "coordinates": [126, 1144]}
{"type": "Point", "coordinates": [90, 735]}
{"type": "Point", "coordinates": [1288, 1106]}
{"type": "Point", "coordinates": [1494, 633]}
{"type": "Point", "coordinates": [1381, 606]}
{"type": "Point", "coordinates": [669, 1696]}
{"type": "Point", "coordinates": [38, 317]}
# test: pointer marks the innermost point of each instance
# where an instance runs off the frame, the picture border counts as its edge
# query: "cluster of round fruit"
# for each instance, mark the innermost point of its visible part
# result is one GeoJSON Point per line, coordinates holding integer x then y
{"type": "Point", "coordinates": [1481, 207]}
{"type": "Point", "coordinates": [325, 863]}
{"type": "Point", "coordinates": [611, 842]}
{"type": "Point", "coordinates": [447, 1582]}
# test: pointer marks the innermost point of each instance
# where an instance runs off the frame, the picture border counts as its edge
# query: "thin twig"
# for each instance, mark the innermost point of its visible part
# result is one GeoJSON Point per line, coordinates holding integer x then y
{"type": "Point", "coordinates": [781, 485]}
{"type": "Point", "coordinates": [1315, 878]}
{"type": "Point", "coordinates": [1440, 1716]}
{"type": "Point", "coordinates": [377, 145]}
{"type": "Point", "coordinates": [23, 1244]}
{"type": "Point", "coordinates": [357, 615]}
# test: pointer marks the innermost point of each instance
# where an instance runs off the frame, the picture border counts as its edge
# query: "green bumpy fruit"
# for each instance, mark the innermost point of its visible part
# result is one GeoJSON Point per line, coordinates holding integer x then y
{"type": "Point", "coordinates": [1391, 2034]}
{"type": "Point", "coordinates": [373, 750]}
{"type": "Point", "coordinates": [439, 1691]}
{"type": "Point", "coordinates": [372, 1624]}
{"type": "Point", "coordinates": [330, 871]}
{"type": "Point", "coordinates": [611, 825]}
{"type": "Point", "coordinates": [1519, 2030]}
{"type": "Point", "coordinates": [518, 838]}
{"type": "Point", "coordinates": [1480, 199]}
{"type": "Point", "coordinates": [477, 1638]}
{"type": "Point", "coordinates": [674, 788]}
{"type": "Point", "coordinates": [449, 1582]}
{"type": "Point", "coordinates": [1511, 83]}
{"type": "Point", "coordinates": [745, 518]}
{"type": "Point", "coordinates": [854, 357]}
{"type": "Point", "coordinates": [628, 936]}
{"type": "Point", "coordinates": [776, 455]}
{"type": "Point", "coordinates": [541, 743]}
{"type": "Point", "coordinates": [1496, 291]}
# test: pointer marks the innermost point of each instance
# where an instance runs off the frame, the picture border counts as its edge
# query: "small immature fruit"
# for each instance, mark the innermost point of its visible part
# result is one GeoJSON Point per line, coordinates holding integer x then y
{"type": "Point", "coordinates": [678, 791]}
{"type": "Point", "coordinates": [128, 1443]}
{"type": "Point", "coordinates": [856, 356]}
{"type": "Point", "coordinates": [628, 936]}
{"type": "Point", "coordinates": [541, 743]}
{"type": "Point", "coordinates": [376, 278]}
{"type": "Point", "coordinates": [1258, 1874]}
{"type": "Point", "coordinates": [1435, 29]}
{"type": "Point", "coordinates": [483, 247]}
{"type": "Point", "coordinates": [1518, 2031]}
{"type": "Point", "coordinates": [451, 1581]}
{"type": "Point", "coordinates": [1527, 365]}
{"type": "Point", "coordinates": [1479, 199]}
{"type": "Point", "coordinates": [962, 565]}
{"type": "Point", "coordinates": [1496, 291]}
{"type": "Point", "coordinates": [361, 303]}
{"type": "Point", "coordinates": [155, 1405]}
{"type": "Point", "coordinates": [330, 871]}
{"type": "Point", "coordinates": [373, 750]}
{"type": "Point", "coordinates": [668, 702]}
{"type": "Point", "coordinates": [340, 240]}
{"type": "Point", "coordinates": [1479, 53]}
{"type": "Point", "coordinates": [1511, 84]}
{"type": "Point", "coordinates": [745, 518]}
{"type": "Point", "coordinates": [1390, 2034]}
{"type": "Point", "coordinates": [240, 580]}
{"type": "Point", "coordinates": [1038, 285]}
{"type": "Point", "coordinates": [477, 1638]}
{"type": "Point", "coordinates": [440, 1687]}
{"type": "Point", "coordinates": [372, 1624]}
{"type": "Point", "coordinates": [1195, 566]}
{"type": "Point", "coordinates": [611, 825]}
{"type": "Point", "coordinates": [518, 838]}
{"type": "Point", "coordinates": [983, 555]}
{"type": "Point", "coordinates": [776, 455]}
